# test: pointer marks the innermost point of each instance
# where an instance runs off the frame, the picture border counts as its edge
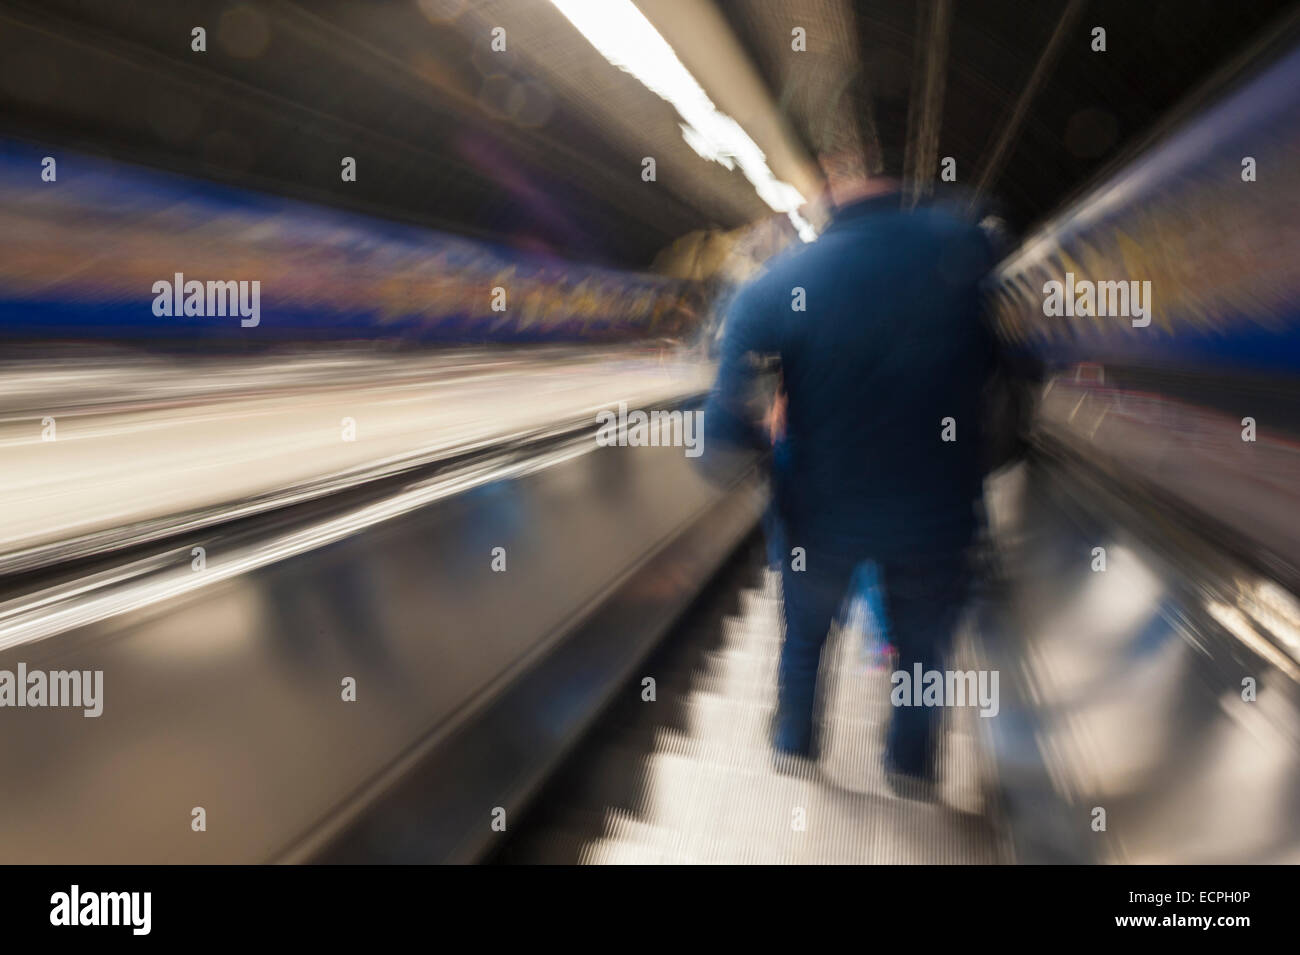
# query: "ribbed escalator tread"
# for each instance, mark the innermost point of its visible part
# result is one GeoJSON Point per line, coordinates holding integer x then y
{"type": "Point", "coordinates": [690, 777]}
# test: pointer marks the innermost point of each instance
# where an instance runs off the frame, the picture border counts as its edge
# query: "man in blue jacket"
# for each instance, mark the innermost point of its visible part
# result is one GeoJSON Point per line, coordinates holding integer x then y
{"type": "Point", "coordinates": [877, 332]}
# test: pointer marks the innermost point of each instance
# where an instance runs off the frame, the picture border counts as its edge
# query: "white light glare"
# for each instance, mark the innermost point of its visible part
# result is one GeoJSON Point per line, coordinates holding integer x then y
{"type": "Point", "coordinates": [627, 39]}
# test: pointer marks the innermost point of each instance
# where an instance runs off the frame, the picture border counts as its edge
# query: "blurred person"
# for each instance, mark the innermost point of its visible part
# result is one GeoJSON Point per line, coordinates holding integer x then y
{"type": "Point", "coordinates": [877, 430]}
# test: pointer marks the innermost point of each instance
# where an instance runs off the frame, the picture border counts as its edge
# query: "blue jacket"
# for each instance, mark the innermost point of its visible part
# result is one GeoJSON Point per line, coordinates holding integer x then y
{"type": "Point", "coordinates": [890, 344]}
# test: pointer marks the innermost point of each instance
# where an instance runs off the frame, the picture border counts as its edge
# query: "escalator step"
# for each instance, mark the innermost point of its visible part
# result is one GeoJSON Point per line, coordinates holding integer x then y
{"type": "Point", "coordinates": [691, 777]}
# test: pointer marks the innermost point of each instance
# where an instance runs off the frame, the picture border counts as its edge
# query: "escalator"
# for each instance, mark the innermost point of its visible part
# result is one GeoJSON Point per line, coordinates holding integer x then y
{"type": "Point", "coordinates": [690, 777]}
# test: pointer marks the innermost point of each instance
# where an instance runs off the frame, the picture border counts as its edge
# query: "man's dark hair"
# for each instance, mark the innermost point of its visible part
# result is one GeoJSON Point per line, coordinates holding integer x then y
{"type": "Point", "coordinates": [845, 125]}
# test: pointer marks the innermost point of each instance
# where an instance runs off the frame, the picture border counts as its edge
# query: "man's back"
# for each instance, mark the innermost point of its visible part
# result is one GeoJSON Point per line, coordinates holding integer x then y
{"type": "Point", "coordinates": [889, 346]}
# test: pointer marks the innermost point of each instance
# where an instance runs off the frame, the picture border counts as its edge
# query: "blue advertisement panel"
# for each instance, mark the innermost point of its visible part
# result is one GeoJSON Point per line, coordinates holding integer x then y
{"type": "Point", "coordinates": [1189, 257]}
{"type": "Point", "coordinates": [91, 248]}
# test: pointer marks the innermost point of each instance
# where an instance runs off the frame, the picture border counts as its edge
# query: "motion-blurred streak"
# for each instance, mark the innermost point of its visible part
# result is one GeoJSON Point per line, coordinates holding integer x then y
{"type": "Point", "coordinates": [105, 445]}
{"type": "Point", "coordinates": [1165, 306]}
{"type": "Point", "coordinates": [128, 471]}
{"type": "Point", "coordinates": [96, 255]}
{"type": "Point", "coordinates": [1221, 251]}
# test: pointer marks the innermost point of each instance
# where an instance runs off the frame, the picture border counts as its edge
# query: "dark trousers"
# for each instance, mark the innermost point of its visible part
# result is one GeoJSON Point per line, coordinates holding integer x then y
{"type": "Point", "coordinates": [923, 598]}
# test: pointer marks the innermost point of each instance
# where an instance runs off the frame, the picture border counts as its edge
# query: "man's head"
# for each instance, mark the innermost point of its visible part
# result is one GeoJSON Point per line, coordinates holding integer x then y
{"type": "Point", "coordinates": [847, 148]}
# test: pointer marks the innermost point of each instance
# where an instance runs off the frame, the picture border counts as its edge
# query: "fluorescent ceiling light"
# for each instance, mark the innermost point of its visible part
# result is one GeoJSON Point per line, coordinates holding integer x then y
{"type": "Point", "coordinates": [627, 39]}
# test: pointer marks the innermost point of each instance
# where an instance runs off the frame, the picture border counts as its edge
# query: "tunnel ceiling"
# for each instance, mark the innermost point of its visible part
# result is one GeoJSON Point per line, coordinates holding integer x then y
{"type": "Point", "coordinates": [541, 147]}
{"type": "Point", "coordinates": [1087, 107]}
